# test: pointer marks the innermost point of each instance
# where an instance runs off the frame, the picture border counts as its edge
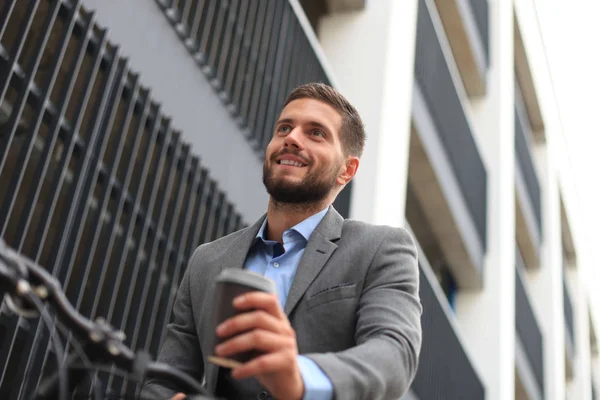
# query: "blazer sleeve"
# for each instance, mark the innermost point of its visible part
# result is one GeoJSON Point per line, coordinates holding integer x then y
{"type": "Point", "coordinates": [388, 330]}
{"type": "Point", "coordinates": [181, 347]}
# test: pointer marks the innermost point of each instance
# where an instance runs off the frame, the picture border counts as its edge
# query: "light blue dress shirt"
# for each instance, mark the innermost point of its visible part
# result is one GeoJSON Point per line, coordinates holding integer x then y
{"type": "Point", "coordinates": [280, 262]}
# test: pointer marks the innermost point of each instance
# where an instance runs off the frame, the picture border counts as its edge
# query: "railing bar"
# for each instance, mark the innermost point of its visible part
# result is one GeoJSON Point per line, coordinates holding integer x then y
{"type": "Point", "coordinates": [223, 59]}
{"type": "Point", "coordinates": [249, 83]}
{"type": "Point", "coordinates": [166, 254]}
{"type": "Point", "coordinates": [233, 63]}
{"type": "Point", "coordinates": [18, 46]}
{"type": "Point", "coordinates": [240, 73]}
{"type": "Point", "coordinates": [214, 46]}
{"type": "Point", "coordinates": [19, 107]}
{"type": "Point", "coordinates": [65, 96]}
{"type": "Point", "coordinates": [265, 62]}
{"type": "Point", "coordinates": [206, 35]}
{"type": "Point", "coordinates": [272, 72]}
{"type": "Point", "coordinates": [280, 85]}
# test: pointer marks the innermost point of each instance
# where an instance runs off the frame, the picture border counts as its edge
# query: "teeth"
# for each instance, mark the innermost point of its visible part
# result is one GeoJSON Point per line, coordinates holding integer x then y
{"type": "Point", "coordinates": [290, 162]}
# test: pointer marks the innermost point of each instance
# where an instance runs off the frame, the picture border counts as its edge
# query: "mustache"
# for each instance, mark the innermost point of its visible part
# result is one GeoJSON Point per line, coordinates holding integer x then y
{"type": "Point", "coordinates": [295, 153]}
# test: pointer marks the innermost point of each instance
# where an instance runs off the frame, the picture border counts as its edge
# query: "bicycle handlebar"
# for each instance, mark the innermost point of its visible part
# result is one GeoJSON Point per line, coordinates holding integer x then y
{"type": "Point", "coordinates": [21, 277]}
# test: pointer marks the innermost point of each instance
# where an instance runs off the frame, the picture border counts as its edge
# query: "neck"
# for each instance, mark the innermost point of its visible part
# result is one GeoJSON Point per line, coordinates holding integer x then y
{"type": "Point", "coordinates": [282, 216]}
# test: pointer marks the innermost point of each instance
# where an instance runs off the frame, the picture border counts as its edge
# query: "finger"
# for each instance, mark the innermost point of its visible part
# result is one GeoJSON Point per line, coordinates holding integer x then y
{"type": "Point", "coordinates": [253, 320]}
{"type": "Point", "coordinates": [263, 341]}
{"type": "Point", "coordinates": [260, 301]}
{"type": "Point", "coordinates": [178, 396]}
{"type": "Point", "coordinates": [265, 364]}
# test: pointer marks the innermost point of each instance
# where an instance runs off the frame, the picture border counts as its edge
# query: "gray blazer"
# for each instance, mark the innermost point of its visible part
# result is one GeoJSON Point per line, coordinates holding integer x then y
{"type": "Point", "coordinates": [354, 304]}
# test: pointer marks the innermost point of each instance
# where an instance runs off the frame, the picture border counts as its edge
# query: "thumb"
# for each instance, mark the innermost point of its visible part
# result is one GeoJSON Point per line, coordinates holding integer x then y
{"type": "Point", "coordinates": [178, 396]}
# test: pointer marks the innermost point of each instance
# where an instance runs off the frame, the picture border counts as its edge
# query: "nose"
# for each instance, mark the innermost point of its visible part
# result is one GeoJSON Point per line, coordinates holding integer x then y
{"type": "Point", "coordinates": [294, 138]}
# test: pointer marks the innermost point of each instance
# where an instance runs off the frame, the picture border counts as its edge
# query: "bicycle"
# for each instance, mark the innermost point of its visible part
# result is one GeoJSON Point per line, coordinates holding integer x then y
{"type": "Point", "coordinates": [97, 345]}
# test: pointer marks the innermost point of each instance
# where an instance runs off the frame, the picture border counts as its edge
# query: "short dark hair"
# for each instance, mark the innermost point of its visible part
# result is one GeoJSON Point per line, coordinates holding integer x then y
{"type": "Point", "coordinates": [352, 132]}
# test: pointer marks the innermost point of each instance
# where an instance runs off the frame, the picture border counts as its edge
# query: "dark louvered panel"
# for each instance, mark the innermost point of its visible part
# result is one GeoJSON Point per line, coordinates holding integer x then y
{"type": "Point", "coordinates": [97, 185]}
{"type": "Point", "coordinates": [526, 325]}
{"type": "Point", "coordinates": [445, 371]}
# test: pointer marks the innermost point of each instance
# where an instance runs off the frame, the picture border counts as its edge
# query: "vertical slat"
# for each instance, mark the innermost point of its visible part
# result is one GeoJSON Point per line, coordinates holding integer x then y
{"type": "Point", "coordinates": [170, 234]}
{"type": "Point", "coordinates": [15, 52]}
{"type": "Point", "coordinates": [194, 23]}
{"type": "Point", "coordinates": [67, 154]}
{"type": "Point", "coordinates": [208, 212]}
{"type": "Point", "coordinates": [161, 239]}
{"type": "Point", "coordinates": [223, 57]}
{"type": "Point", "coordinates": [185, 14]}
{"type": "Point", "coordinates": [25, 154]}
{"type": "Point", "coordinates": [244, 58]}
{"type": "Point", "coordinates": [192, 239]}
{"type": "Point", "coordinates": [94, 275]}
{"type": "Point", "coordinates": [42, 165]}
{"type": "Point", "coordinates": [205, 34]}
{"type": "Point", "coordinates": [233, 61]}
{"type": "Point", "coordinates": [249, 81]}
{"type": "Point", "coordinates": [81, 189]}
{"type": "Point", "coordinates": [5, 14]}
{"type": "Point", "coordinates": [53, 132]}
{"type": "Point", "coordinates": [263, 79]}
{"type": "Point", "coordinates": [280, 76]}
{"type": "Point", "coordinates": [82, 182]}
{"type": "Point", "coordinates": [21, 101]}
{"type": "Point", "coordinates": [59, 177]}
{"type": "Point", "coordinates": [215, 43]}
{"type": "Point", "coordinates": [9, 376]}
{"type": "Point", "coordinates": [88, 179]}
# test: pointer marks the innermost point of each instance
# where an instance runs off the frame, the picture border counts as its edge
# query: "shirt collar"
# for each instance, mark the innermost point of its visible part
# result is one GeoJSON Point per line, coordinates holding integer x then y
{"type": "Point", "coordinates": [304, 228]}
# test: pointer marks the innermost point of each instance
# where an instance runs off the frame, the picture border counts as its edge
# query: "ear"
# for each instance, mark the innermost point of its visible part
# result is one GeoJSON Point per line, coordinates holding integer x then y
{"type": "Point", "coordinates": [348, 170]}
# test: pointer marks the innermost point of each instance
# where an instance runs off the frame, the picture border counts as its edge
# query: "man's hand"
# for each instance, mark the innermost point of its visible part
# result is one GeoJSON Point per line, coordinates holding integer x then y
{"type": "Point", "coordinates": [265, 328]}
{"type": "Point", "coordinates": [178, 396]}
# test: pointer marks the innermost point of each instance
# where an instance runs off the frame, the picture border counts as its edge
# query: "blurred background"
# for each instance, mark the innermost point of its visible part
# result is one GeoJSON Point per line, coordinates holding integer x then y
{"type": "Point", "coordinates": [131, 131]}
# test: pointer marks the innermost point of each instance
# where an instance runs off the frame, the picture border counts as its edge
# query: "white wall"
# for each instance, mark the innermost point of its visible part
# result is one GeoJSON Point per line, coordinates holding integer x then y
{"type": "Point", "coordinates": [372, 55]}
{"type": "Point", "coordinates": [487, 316]}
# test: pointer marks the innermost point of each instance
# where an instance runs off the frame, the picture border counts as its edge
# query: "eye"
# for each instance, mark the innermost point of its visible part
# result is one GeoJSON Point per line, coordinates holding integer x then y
{"type": "Point", "coordinates": [284, 129]}
{"type": "Point", "coordinates": [318, 133]}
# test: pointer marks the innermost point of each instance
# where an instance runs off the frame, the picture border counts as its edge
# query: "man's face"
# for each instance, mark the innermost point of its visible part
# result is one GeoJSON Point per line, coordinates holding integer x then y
{"type": "Point", "coordinates": [304, 160]}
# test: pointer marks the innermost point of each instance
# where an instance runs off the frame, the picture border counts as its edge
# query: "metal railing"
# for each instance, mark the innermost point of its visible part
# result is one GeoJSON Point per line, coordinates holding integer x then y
{"type": "Point", "coordinates": [97, 185]}
{"type": "Point", "coordinates": [253, 53]}
{"type": "Point", "coordinates": [527, 327]}
{"type": "Point", "coordinates": [435, 81]}
{"type": "Point", "coordinates": [445, 371]}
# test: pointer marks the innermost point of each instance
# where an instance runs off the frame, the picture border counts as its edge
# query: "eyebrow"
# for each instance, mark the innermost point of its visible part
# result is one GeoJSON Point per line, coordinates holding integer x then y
{"type": "Point", "coordinates": [312, 123]}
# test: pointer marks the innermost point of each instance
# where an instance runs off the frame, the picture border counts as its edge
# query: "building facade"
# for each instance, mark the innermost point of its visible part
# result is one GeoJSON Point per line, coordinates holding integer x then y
{"type": "Point", "coordinates": [133, 131]}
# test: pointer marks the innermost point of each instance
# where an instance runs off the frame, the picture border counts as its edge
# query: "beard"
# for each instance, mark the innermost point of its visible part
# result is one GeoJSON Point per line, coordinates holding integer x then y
{"type": "Point", "coordinates": [315, 186]}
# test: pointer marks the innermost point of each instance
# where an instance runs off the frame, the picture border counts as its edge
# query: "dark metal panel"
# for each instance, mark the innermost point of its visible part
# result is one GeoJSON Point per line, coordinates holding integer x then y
{"type": "Point", "coordinates": [523, 154]}
{"type": "Point", "coordinates": [480, 10]}
{"type": "Point", "coordinates": [445, 371]}
{"type": "Point", "coordinates": [527, 326]}
{"type": "Point", "coordinates": [435, 80]}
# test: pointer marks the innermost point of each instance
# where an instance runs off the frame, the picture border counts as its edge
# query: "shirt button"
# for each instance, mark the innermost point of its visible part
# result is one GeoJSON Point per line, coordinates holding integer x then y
{"type": "Point", "coordinates": [263, 395]}
{"type": "Point", "coordinates": [276, 265]}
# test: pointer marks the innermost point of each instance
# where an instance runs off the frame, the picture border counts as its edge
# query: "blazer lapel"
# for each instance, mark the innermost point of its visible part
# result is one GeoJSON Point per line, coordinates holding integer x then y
{"type": "Point", "coordinates": [318, 250]}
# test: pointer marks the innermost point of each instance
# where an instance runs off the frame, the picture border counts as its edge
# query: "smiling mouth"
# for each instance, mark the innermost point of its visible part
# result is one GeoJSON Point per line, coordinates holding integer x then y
{"type": "Point", "coordinates": [291, 163]}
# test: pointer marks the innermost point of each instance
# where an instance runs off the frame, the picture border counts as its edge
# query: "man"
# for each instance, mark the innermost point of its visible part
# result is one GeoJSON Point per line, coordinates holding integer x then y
{"type": "Point", "coordinates": [345, 323]}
